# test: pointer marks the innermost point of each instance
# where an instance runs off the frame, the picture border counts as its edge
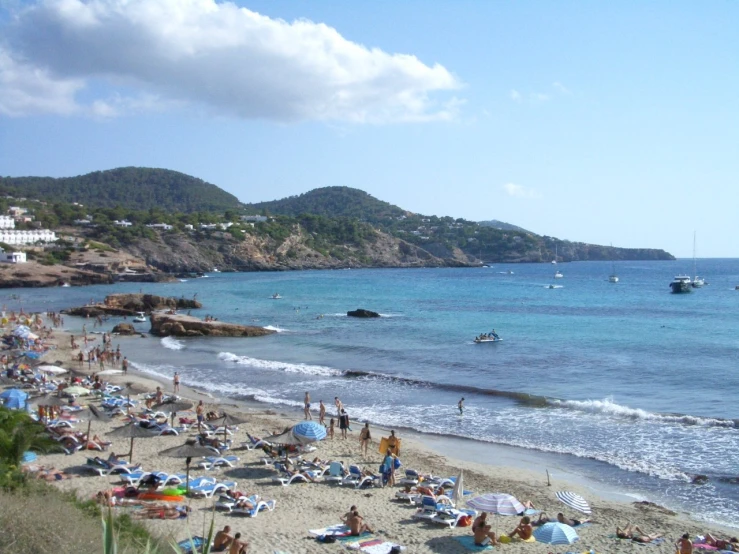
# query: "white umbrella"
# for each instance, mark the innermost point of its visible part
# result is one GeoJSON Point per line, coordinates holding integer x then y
{"type": "Point", "coordinates": [458, 490]}
{"type": "Point", "coordinates": [503, 504]}
{"type": "Point", "coordinates": [56, 370]}
{"type": "Point", "coordinates": [574, 501]}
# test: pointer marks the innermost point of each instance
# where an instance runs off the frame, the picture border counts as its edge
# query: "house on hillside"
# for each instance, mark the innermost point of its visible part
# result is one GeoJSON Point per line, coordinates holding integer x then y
{"type": "Point", "coordinates": [12, 257]}
{"type": "Point", "coordinates": [254, 218]}
{"type": "Point", "coordinates": [162, 226]}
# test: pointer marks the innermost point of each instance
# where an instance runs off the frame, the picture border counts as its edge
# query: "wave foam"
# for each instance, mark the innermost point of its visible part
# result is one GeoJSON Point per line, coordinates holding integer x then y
{"type": "Point", "coordinates": [172, 343]}
{"type": "Point", "coordinates": [611, 408]}
{"type": "Point", "coordinates": [279, 366]}
{"type": "Point", "coordinates": [275, 328]}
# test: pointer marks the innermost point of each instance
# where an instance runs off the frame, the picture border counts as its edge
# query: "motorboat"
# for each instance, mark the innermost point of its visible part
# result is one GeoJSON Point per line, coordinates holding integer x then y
{"type": "Point", "coordinates": [613, 278]}
{"type": "Point", "coordinates": [681, 284]}
{"type": "Point", "coordinates": [276, 296]}
{"type": "Point", "coordinates": [558, 275]}
{"type": "Point", "coordinates": [487, 337]}
{"type": "Point", "coordinates": [140, 317]}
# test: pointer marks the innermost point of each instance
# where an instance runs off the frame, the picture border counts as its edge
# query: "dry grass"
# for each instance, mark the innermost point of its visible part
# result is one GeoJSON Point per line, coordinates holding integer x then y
{"type": "Point", "coordinates": [42, 520]}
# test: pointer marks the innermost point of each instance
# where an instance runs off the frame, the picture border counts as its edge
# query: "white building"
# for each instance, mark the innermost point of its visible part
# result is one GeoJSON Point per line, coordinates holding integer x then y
{"type": "Point", "coordinates": [7, 222]}
{"type": "Point", "coordinates": [163, 226]}
{"type": "Point", "coordinates": [15, 211]}
{"type": "Point", "coordinates": [189, 227]}
{"type": "Point", "coordinates": [256, 218]}
{"type": "Point", "coordinates": [13, 257]}
{"type": "Point", "coordinates": [122, 223]}
{"type": "Point", "coordinates": [33, 236]}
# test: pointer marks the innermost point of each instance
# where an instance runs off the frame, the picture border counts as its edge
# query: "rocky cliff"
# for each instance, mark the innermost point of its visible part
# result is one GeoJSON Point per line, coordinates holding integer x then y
{"type": "Point", "coordinates": [33, 274]}
{"type": "Point", "coordinates": [130, 304]}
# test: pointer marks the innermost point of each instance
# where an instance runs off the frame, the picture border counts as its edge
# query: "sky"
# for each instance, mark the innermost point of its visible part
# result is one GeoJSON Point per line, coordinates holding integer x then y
{"type": "Point", "coordinates": [609, 123]}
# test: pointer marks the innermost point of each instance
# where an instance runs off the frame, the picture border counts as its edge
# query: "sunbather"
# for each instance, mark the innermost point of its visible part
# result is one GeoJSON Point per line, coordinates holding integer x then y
{"type": "Point", "coordinates": [345, 518]}
{"type": "Point", "coordinates": [53, 474]}
{"type": "Point", "coordinates": [571, 522]}
{"type": "Point", "coordinates": [237, 545]}
{"type": "Point", "coordinates": [684, 545]}
{"type": "Point", "coordinates": [732, 545]}
{"type": "Point", "coordinates": [481, 531]}
{"type": "Point", "coordinates": [291, 470]}
{"type": "Point", "coordinates": [524, 529]}
{"type": "Point", "coordinates": [222, 539]}
{"type": "Point", "coordinates": [161, 512]}
{"type": "Point", "coordinates": [356, 524]}
{"type": "Point", "coordinates": [635, 534]}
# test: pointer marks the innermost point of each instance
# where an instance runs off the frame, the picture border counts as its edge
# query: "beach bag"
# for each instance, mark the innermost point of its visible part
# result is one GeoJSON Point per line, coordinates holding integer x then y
{"type": "Point", "coordinates": [397, 463]}
{"type": "Point", "coordinates": [326, 539]}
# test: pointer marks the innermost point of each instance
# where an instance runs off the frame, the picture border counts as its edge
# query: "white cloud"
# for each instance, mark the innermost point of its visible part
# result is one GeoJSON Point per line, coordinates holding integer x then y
{"type": "Point", "coordinates": [538, 97]}
{"type": "Point", "coordinates": [520, 191]}
{"type": "Point", "coordinates": [231, 60]}
{"type": "Point", "coordinates": [25, 90]}
{"type": "Point", "coordinates": [515, 95]}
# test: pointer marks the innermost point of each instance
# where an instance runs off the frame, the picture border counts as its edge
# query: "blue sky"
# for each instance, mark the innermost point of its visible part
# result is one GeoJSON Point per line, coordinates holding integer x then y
{"type": "Point", "coordinates": [597, 122]}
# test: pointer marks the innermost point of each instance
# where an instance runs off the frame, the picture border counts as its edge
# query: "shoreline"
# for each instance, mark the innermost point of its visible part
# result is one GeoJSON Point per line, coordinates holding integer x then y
{"type": "Point", "coordinates": [303, 507]}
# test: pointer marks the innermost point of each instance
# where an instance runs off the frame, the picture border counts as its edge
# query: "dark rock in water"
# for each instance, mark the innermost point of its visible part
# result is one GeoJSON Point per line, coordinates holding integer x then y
{"type": "Point", "coordinates": [125, 329]}
{"type": "Point", "coordinates": [699, 479]}
{"type": "Point", "coordinates": [165, 325]}
{"type": "Point", "coordinates": [362, 313]}
{"type": "Point", "coordinates": [130, 304]}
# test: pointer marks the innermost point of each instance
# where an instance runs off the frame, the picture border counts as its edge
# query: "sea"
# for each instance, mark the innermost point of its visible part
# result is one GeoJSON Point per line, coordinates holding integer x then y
{"type": "Point", "coordinates": [624, 383]}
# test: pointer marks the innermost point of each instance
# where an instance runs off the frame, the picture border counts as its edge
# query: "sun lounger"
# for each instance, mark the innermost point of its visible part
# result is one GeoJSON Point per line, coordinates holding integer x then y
{"type": "Point", "coordinates": [211, 462]}
{"type": "Point", "coordinates": [207, 490]}
{"type": "Point", "coordinates": [440, 510]}
{"type": "Point", "coordinates": [360, 480]}
{"type": "Point", "coordinates": [287, 479]}
{"type": "Point", "coordinates": [336, 473]}
{"type": "Point", "coordinates": [261, 505]}
{"type": "Point", "coordinates": [253, 443]}
{"type": "Point", "coordinates": [411, 478]}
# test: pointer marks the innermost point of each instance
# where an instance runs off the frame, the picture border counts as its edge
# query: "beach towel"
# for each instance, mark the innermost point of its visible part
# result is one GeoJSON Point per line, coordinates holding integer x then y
{"type": "Point", "coordinates": [468, 541]}
{"type": "Point", "coordinates": [366, 536]}
{"type": "Point", "coordinates": [337, 530]}
{"type": "Point", "coordinates": [376, 546]}
{"type": "Point", "coordinates": [702, 546]}
{"type": "Point", "coordinates": [187, 545]}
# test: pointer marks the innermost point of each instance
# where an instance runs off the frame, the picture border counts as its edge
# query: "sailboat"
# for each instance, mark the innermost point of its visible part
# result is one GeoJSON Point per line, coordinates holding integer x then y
{"type": "Point", "coordinates": [697, 281]}
{"type": "Point", "coordinates": [613, 278]}
{"type": "Point", "coordinates": [554, 261]}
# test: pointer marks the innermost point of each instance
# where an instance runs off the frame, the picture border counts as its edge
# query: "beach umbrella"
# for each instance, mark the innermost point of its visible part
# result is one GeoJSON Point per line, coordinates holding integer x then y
{"type": "Point", "coordinates": [52, 369]}
{"type": "Point", "coordinates": [458, 490]}
{"type": "Point", "coordinates": [93, 413]}
{"type": "Point", "coordinates": [22, 332]}
{"type": "Point", "coordinates": [555, 533]}
{"type": "Point", "coordinates": [77, 391]}
{"type": "Point", "coordinates": [285, 439]}
{"type": "Point", "coordinates": [187, 451]}
{"type": "Point", "coordinates": [574, 501]}
{"type": "Point", "coordinates": [14, 398]}
{"type": "Point", "coordinates": [309, 431]}
{"type": "Point", "coordinates": [131, 431]}
{"type": "Point", "coordinates": [230, 420]}
{"type": "Point", "coordinates": [173, 408]}
{"type": "Point", "coordinates": [497, 503]}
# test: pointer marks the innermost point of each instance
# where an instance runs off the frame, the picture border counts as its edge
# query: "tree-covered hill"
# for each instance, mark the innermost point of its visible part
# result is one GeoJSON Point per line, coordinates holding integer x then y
{"type": "Point", "coordinates": [331, 202]}
{"type": "Point", "coordinates": [134, 188]}
{"type": "Point", "coordinates": [502, 225]}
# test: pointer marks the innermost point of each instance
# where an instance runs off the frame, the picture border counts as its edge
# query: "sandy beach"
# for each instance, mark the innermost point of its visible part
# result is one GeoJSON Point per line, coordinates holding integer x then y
{"type": "Point", "coordinates": [302, 507]}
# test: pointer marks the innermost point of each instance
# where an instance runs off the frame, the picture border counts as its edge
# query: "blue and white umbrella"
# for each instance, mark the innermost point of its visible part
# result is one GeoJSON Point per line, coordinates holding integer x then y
{"type": "Point", "coordinates": [555, 533]}
{"type": "Point", "coordinates": [574, 501]}
{"type": "Point", "coordinates": [497, 503]}
{"type": "Point", "coordinates": [21, 331]}
{"type": "Point", "coordinates": [309, 431]}
{"type": "Point", "coordinates": [14, 398]}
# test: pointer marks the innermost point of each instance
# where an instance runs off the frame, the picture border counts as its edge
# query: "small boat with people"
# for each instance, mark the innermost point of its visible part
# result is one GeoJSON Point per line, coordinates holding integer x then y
{"type": "Point", "coordinates": [492, 336]}
{"type": "Point", "coordinates": [140, 317]}
{"type": "Point", "coordinates": [558, 275]}
{"type": "Point", "coordinates": [681, 284]}
{"type": "Point", "coordinates": [276, 296]}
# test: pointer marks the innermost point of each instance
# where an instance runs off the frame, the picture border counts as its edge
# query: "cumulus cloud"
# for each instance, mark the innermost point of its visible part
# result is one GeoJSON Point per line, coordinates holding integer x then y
{"type": "Point", "coordinates": [515, 95]}
{"type": "Point", "coordinates": [230, 60]}
{"type": "Point", "coordinates": [520, 191]}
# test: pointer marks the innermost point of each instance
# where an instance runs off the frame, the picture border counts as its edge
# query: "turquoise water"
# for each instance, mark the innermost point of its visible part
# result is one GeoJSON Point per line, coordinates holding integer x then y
{"type": "Point", "coordinates": [631, 384]}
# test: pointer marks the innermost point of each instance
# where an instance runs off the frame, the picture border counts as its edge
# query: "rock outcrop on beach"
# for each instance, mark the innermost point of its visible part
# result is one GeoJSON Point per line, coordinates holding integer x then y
{"type": "Point", "coordinates": [125, 329]}
{"type": "Point", "coordinates": [362, 313]}
{"type": "Point", "coordinates": [130, 304]}
{"type": "Point", "coordinates": [176, 325]}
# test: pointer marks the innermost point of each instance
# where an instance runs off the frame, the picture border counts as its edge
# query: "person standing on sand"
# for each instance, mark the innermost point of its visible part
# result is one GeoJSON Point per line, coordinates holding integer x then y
{"type": "Point", "coordinates": [685, 545]}
{"type": "Point", "coordinates": [364, 438]}
{"type": "Point", "coordinates": [392, 443]}
{"type": "Point", "coordinates": [176, 382]}
{"type": "Point", "coordinates": [124, 365]}
{"type": "Point", "coordinates": [321, 412]}
{"type": "Point", "coordinates": [306, 406]}
{"type": "Point", "coordinates": [200, 414]}
{"type": "Point", "coordinates": [343, 423]}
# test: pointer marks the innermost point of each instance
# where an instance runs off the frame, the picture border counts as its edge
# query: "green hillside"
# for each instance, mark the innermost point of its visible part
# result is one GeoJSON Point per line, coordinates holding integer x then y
{"type": "Point", "coordinates": [502, 225]}
{"type": "Point", "coordinates": [331, 202]}
{"type": "Point", "coordinates": [134, 188]}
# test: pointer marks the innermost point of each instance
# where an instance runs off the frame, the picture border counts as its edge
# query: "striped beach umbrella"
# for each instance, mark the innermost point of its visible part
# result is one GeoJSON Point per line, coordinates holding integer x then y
{"type": "Point", "coordinates": [497, 503]}
{"type": "Point", "coordinates": [574, 501]}
{"type": "Point", "coordinates": [309, 431]}
{"type": "Point", "coordinates": [555, 533]}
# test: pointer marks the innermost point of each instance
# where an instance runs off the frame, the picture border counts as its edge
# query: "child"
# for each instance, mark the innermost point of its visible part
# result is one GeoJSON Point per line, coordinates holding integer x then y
{"type": "Point", "coordinates": [331, 428]}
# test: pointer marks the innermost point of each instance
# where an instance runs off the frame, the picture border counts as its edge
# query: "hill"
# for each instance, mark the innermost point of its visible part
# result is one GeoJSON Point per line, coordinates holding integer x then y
{"type": "Point", "coordinates": [332, 202]}
{"type": "Point", "coordinates": [134, 188]}
{"type": "Point", "coordinates": [502, 225]}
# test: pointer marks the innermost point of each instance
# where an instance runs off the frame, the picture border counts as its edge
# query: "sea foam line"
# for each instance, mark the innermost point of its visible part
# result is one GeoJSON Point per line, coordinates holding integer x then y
{"type": "Point", "coordinates": [279, 366]}
{"type": "Point", "coordinates": [611, 408]}
{"type": "Point", "coordinates": [172, 343]}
